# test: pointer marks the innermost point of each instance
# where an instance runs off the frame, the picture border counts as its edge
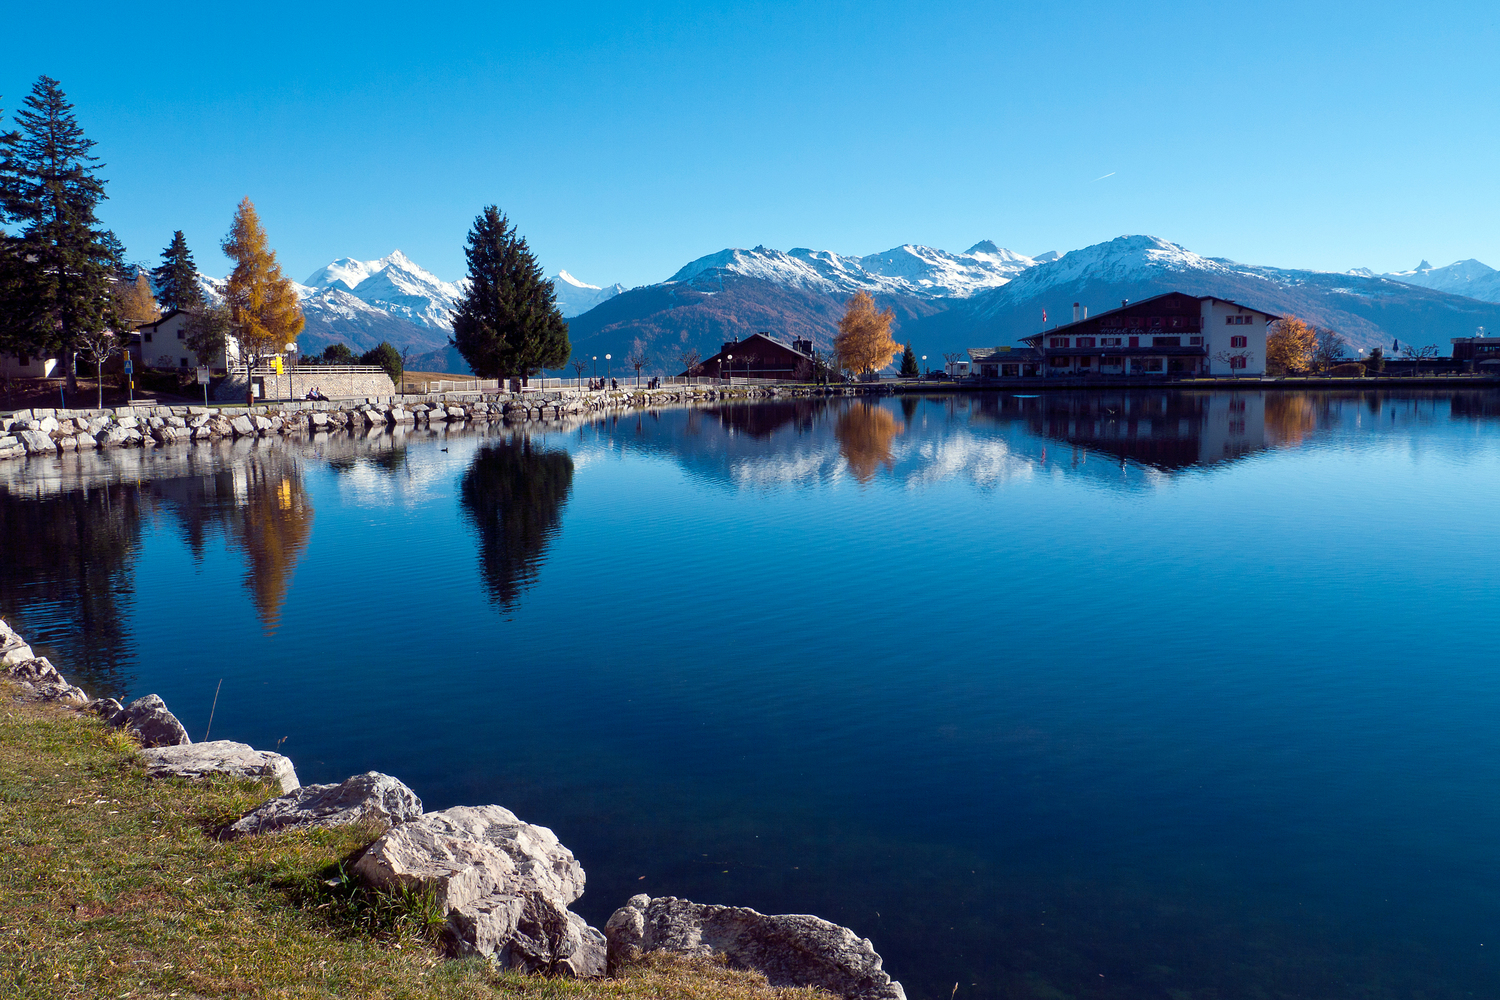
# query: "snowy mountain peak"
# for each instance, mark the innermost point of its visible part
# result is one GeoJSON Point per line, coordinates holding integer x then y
{"type": "Point", "coordinates": [575, 297]}
{"type": "Point", "coordinates": [909, 269]}
{"type": "Point", "coordinates": [1470, 278]}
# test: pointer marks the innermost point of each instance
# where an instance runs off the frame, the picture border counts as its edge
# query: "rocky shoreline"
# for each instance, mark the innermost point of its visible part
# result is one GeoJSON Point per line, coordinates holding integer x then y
{"type": "Point", "coordinates": [503, 886]}
{"type": "Point", "coordinates": [45, 432]}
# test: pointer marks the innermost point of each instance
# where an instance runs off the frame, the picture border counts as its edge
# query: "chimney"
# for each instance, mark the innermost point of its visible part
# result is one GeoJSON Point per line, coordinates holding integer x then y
{"type": "Point", "coordinates": [1075, 312]}
{"type": "Point", "coordinates": [1124, 303]}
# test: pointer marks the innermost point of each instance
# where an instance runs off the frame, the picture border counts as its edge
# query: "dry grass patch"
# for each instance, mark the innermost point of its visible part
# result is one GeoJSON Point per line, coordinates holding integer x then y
{"type": "Point", "coordinates": [113, 886]}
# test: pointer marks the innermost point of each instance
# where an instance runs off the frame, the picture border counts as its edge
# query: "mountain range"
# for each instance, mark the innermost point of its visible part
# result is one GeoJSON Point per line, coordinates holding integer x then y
{"type": "Point", "coordinates": [942, 301]}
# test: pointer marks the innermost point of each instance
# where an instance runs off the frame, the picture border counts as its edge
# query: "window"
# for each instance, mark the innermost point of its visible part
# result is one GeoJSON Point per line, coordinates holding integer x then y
{"type": "Point", "coordinates": [1238, 320]}
{"type": "Point", "coordinates": [1084, 342]}
{"type": "Point", "coordinates": [1239, 341]}
{"type": "Point", "coordinates": [181, 334]}
{"type": "Point", "coordinates": [1085, 362]}
{"type": "Point", "coordinates": [1151, 364]}
{"type": "Point", "coordinates": [24, 359]}
{"type": "Point", "coordinates": [1135, 341]}
{"type": "Point", "coordinates": [1109, 341]}
{"type": "Point", "coordinates": [1238, 362]}
{"type": "Point", "coordinates": [1058, 362]}
{"type": "Point", "coordinates": [1166, 341]}
{"type": "Point", "coordinates": [148, 336]}
{"type": "Point", "coordinates": [1010, 371]}
{"type": "Point", "coordinates": [1059, 341]}
{"type": "Point", "coordinates": [182, 362]}
{"type": "Point", "coordinates": [1195, 341]}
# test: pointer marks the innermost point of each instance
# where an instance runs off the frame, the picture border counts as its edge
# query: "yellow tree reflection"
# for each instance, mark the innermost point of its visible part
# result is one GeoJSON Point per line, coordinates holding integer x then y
{"type": "Point", "coordinates": [1290, 417]}
{"type": "Point", "coordinates": [273, 524]}
{"type": "Point", "coordinates": [865, 433]}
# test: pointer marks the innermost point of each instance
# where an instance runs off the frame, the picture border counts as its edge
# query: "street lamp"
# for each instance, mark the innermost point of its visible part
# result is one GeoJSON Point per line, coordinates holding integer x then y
{"type": "Point", "coordinates": [608, 369]}
{"type": "Point", "coordinates": [924, 364]}
{"type": "Point", "coordinates": [596, 367]}
{"type": "Point", "coordinates": [730, 359]}
{"type": "Point", "coordinates": [291, 387]}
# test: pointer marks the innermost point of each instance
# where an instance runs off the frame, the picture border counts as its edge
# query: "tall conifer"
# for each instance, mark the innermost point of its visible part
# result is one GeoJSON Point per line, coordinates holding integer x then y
{"type": "Point", "coordinates": [508, 323]}
{"type": "Point", "coordinates": [176, 278]}
{"type": "Point", "coordinates": [49, 184]}
{"type": "Point", "coordinates": [263, 309]}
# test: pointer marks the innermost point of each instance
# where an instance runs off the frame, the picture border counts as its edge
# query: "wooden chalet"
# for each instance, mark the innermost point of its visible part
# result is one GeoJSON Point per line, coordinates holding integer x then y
{"type": "Point", "coordinates": [759, 356]}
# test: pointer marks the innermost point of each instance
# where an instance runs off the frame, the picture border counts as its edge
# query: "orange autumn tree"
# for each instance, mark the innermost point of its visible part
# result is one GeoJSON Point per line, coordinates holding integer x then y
{"type": "Point", "coordinates": [263, 310]}
{"type": "Point", "coordinates": [864, 341]}
{"type": "Point", "coordinates": [1290, 344]}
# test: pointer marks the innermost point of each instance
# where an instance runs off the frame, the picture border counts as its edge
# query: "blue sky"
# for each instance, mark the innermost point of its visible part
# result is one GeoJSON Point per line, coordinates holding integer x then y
{"type": "Point", "coordinates": [626, 140]}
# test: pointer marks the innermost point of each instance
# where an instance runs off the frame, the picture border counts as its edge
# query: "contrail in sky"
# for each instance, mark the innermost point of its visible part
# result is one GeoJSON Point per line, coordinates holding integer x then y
{"type": "Point", "coordinates": [1110, 174]}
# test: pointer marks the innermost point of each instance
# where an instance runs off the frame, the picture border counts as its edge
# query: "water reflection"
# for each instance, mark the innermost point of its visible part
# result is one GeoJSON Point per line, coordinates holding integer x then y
{"type": "Point", "coordinates": [865, 432]}
{"type": "Point", "coordinates": [513, 494]}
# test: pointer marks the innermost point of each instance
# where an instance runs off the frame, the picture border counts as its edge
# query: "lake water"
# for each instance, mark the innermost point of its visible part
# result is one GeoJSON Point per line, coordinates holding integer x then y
{"type": "Point", "coordinates": [1106, 695]}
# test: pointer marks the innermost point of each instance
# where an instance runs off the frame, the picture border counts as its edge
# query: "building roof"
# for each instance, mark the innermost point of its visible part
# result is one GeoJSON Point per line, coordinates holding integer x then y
{"type": "Point", "coordinates": [1009, 354]}
{"type": "Point", "coordinates": [165, 316]}
{"type": "Point", "coordinates": [1140, 302]}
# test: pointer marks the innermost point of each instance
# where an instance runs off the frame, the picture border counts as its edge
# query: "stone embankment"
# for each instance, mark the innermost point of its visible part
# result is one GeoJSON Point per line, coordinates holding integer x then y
{"type": "Point", "coordinates": [503, 885]}
{"type": "Point", "coordinates": [52, 431]}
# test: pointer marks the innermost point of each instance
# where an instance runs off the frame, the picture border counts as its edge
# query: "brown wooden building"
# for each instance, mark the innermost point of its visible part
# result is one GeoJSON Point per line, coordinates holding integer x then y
{"type": "Point", "coordinates": [759, 356]}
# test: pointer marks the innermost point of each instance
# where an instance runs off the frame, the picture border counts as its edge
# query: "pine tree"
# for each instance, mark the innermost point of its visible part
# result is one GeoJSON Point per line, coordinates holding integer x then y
{"type": "Point", "coordinates": [176, 278]}
{"type": "Point", "coordinates": [263, 309]}
{"type": "Point", "coordinates": [49, 184]}
{"type": "Point", "coordinates": [909, 363]}
{"type": "Point", "coordinates": [508, 323]}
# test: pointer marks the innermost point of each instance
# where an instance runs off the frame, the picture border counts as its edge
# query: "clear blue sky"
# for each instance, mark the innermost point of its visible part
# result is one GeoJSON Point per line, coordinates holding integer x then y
{"type": "Point", "coordinates": [625, 140]}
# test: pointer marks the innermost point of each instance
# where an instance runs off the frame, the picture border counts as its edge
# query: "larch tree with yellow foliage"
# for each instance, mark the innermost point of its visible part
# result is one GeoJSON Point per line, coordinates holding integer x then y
{"type": "Point", "coordinates": [1290, 344]}
{"type": "Point", "coordinates": [864, 341]}
{"type": "Point", "coordinates": [263, 312]}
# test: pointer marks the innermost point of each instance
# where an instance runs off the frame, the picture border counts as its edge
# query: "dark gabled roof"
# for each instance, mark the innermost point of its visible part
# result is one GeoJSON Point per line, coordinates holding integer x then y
{"type": "Point", "coordinates": [165, 316]}
{"type": "Point", "coordinates": [978, 354]}
{"type": "Point", "coordinates": [1135, 304]}
{"type": "Point", "coordinates": [763, 336]}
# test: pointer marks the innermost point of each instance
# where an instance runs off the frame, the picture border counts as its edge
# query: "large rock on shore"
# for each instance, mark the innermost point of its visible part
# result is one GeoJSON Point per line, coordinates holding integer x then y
{"type": "Point", "coordinates": [40, 681]}
{"type": "Point", "coordinates": [505, 886]}
{"type": "Point", "coordinates": [13, 649]}
{"type": "Point", "coordinates": [790, 950]}
{"type": "Point", "coordinates": [199, 760]}
{"type": "Point", "coordinates": [152, 722]}
{"type": "Point", "coordinates": [372, 796]}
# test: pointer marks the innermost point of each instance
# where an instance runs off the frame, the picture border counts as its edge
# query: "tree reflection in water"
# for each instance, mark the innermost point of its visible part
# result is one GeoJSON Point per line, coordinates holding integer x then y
{"type": "Point", "coordinates": [513, 493]}
{"type": "Point", "coordinates": [864, 432]}
{"type": "Point", "coordinates": [67, 561]}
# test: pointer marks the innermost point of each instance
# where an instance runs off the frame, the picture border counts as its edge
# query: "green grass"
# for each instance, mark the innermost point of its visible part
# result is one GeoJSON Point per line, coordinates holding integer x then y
{"type": "Point", "coordinates": [113, 886]}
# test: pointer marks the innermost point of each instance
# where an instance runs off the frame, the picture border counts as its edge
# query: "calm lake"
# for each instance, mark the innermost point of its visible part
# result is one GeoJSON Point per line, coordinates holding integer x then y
{"type": "Point", "coordinates": [1107, 695]}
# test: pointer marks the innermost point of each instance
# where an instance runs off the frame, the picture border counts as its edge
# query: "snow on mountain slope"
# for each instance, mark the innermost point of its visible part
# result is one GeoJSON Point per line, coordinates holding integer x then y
{"type": "Point", "coordinates": [1465, 277]}
{"type": "Point", "coordinates": [576, 297]}
{"type": "Point", "coordinates": [1367, 309]}
{"type": "Point", "coordinates": [393, 284]}
{"type": "Point", "coordinates": [924, 272]}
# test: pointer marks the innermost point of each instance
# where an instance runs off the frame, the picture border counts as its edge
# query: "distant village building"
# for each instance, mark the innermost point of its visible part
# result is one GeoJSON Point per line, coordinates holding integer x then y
{"type": "Point", "coordinates": [1166, 334]}
{"type": "Point", "coordinates": [1002, 362]}
{"type": "Point", "coordinates": [163, 344]}
{"type": "Point", "coordinates": [1481, 350]}
{"type": "Point", "coordinates": [759, 356]}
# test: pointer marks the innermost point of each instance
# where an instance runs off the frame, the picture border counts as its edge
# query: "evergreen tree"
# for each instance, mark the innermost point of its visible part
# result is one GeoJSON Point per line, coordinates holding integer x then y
{"type": "Point", "coordinates": [508, 323]}
{"type": "Point", "coordinates": [909, 363]}
{"type": "Point", "coordinates": [338, 354]}
{"type": "Point", "coordinates": [176, 278]}
{"type": "Point", "coordinates": [385, 356]}
{"type": "Point", "coordinates": [262, 301]}
{"type": "Point", "coordinates": [49, 185]}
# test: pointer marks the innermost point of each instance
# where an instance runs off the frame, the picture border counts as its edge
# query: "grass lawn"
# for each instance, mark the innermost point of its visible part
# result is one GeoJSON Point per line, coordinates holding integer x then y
{"type": "Point", "coordinates": [111, 886]}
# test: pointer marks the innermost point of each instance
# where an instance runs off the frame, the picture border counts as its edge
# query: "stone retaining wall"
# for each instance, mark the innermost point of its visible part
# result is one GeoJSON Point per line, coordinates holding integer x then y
{"type": "Point", "coordinates": [45, 431]}
{"type": "Point", "coordinates": [333, 383]}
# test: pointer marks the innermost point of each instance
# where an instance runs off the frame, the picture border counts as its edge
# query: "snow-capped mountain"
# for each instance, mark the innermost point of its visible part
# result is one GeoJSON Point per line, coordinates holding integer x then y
{"type": "Point", "coordinates": [1465, 277]}
{"type": "Point", "coordinates": [1367, 309]}
{"type": "Point", "coordinates": [576, 297]}
{"type": "Point", "coordinates": [393, 284]}
{"type": "Point", "coordinates": [909, 269]}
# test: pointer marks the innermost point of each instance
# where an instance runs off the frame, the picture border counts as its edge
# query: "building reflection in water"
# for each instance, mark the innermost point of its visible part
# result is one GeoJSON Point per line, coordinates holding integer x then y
{"type": "Point", "coordinates": [1165, 430]}
{"type": "Point", "coordinates": [513, 494]}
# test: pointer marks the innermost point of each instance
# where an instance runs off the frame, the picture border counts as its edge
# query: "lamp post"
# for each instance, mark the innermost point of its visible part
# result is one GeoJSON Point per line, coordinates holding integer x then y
{"type": "Point", "coordinates": [595, 376]}
{"type": "Point", "coordinates": [730, 359]}
{"type": "Point", "coordinates": [924, 364]}
{"type": "Point", "coordinates": [608, 368]}
{"type": "Point", "coordinates": [291, 387]}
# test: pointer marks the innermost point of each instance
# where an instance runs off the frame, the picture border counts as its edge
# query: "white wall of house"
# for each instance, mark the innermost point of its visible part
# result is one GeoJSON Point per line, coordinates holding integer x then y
{"type": "Point", "coordinates": [164, 345]}
{"type": "Point", "coordinates": [30, 366]}
{"type": "Point", "coordinates": [1224, 323]}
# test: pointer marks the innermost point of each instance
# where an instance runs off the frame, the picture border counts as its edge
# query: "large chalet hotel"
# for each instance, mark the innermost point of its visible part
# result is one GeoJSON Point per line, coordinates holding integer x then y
{"type": "Point", "coordinates": [1164, 335]}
